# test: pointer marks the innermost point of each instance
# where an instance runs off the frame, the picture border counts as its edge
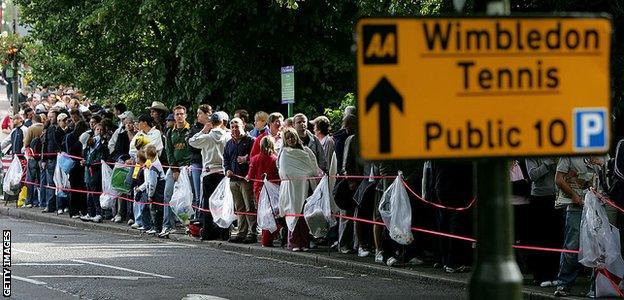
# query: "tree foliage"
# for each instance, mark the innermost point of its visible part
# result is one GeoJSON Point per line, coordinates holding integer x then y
{"type": "Point", "coordinates": [229, 52]}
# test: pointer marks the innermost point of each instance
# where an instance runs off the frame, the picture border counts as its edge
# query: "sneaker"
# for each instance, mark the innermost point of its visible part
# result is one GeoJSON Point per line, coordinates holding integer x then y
{"type": "Point", "coordinates": [130, 222]}
{"type": "Point", "coordinates": [546, 284]}
{"type": "Point", "coordinates": [152, 231]}
{"type": "Point", "coordinates": [117, 219]}
{"type": "Point", "coordinates": [164, 233]}
{"type": "Point", "coordinates": [59, 212]}
{"type": "Point", "coordinates": [66, 210]}
{"type": "Point", "coordinates": [135, 225]}
{"type": "Point", "coordinates": [562, 291]}
{"type": "Point", "coordinates": [363, 252]}
{"type": "Point", "coordinates": [76, 217]}
{"type": "Point", "coordinates": [296, 249]}
{"type": "Point", "coordinates": [416, 261]}
{"type": "Point", "coordinates": [304, 249]}
{"type": "Point", "coordinates": [86, 218]}
{"type": "Point", "coordinates": [97, 219]}
{"type": "Point", "coordinates": [172, 230]}
{"type": "Point", "coordinates": [391, 261]}
{"type": "Point", "coordinates": [142, 228]}
{"type": "Point", "coordinates": [460, 269]}
{"type": "Point", "coordinates": [379, 257]}
{"type": "Point", "coordinates": [345, 250]}
{"type": "Point", "coordinates": [29, 205]}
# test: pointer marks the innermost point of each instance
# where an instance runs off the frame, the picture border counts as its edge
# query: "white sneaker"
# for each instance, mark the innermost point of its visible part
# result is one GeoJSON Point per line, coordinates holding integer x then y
{"type": "Point", "coordinates": [363, 253]}
{"type": "Point", "coordinates": [379, 257]}
{"type": "Point", "coordinates": [76, 216]}
{"type": "Point", "coordinates": [151, 231]}
{"type": "Point", "coordinates": [59, 212]}
{"type": "Point", "coordinates": [391, 261]}
{"type": "Point", "coordinates": [29, 205]}
{"type": "Point", "coordinates": [130, 222]}
{"type": "Point", "coordinates": [97, 219]}
{"type": "Point", "coordinates": [135, 226]}
{"type": "Point", "coordinates": [66, 210]}
{"type": "Point", "coordinates": [117, 219]}
{"type": "Point", "coordinates": [141, 228]}
{"type": "Point", "coordinates": [86, 218]}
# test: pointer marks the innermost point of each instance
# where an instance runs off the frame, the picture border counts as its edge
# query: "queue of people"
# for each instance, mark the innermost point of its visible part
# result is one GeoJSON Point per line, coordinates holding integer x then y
{"type": "Point", "coordinates": [157, 142]}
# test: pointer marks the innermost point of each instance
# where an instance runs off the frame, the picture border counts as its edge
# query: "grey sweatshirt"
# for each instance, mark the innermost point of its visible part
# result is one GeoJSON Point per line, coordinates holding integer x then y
{"type": "Point", "coordinates": [542, 173]}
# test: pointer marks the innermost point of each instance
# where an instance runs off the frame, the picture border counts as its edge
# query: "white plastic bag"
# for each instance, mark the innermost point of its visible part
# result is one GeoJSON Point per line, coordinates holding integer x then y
{"type": "Point", "coordinates": [107, 199]}
{"type": "Point", "coordinates": [61, 179]}
{"type": "Point", "coordinates": [268, 206]}
{"type": "Point", "coordinates": [317, 210]}
{"type": "Point", "coordinates": [12, 178]}
{"type": "Point", "coordinates": [182, 198]}
{"type": "Point", "coordinates": [396, 212]}
{"type": "Point", "coordinates": [221, 204]}
{"type": "Point", "coordinates": [599, 240]}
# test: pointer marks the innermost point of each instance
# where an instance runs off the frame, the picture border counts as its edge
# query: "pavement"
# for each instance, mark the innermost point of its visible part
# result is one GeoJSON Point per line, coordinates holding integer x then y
{"type": "Point", "coordinates": [420, 281]}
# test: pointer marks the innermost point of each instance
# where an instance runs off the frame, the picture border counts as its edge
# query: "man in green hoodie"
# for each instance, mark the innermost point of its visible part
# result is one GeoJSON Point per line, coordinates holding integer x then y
{"type": "Point", "coordinates": [178, 155]}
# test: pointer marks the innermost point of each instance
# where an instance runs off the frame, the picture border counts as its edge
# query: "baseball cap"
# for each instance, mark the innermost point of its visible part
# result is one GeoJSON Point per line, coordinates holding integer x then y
{"type": "Point", "coordinates": [219, 116]}
{"type": "Point", "coordinates": [61, 116]}
{"type": "Point", "coordinates": [40, 109]}
{"type": "Point", "coordinates": [126, 114]}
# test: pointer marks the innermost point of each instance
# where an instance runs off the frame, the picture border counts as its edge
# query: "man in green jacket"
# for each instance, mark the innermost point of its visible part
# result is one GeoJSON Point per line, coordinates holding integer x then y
{"type": "Point", "coordinates": [178, 155]}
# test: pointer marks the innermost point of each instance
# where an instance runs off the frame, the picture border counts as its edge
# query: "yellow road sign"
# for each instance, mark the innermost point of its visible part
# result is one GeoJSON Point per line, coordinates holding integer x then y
{"type": "Point", "coordinates": [481, 87]}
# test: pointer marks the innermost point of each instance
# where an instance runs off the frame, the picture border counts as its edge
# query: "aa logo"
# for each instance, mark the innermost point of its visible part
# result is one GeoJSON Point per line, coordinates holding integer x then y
{"type": "Point", "coordinates": [380, 44]}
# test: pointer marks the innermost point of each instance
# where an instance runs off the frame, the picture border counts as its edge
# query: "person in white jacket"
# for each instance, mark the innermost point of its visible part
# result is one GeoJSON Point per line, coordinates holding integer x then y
{"type": "Point", "coordinates": [211, 141]}
{"type": "Point", "coordinates": [147, 129]}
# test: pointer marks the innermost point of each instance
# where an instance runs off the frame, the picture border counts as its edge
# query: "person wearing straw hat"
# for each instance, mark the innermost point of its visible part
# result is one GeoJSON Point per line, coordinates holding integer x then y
{"type": "Point", "coordinates": [158, 111]}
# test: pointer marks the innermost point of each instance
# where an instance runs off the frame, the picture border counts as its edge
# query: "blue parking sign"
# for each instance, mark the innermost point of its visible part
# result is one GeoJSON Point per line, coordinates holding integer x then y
{"type": "Point", "coordinates": [590, 129]}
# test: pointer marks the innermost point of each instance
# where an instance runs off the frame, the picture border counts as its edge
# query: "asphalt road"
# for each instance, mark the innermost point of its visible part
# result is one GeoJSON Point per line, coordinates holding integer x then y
{"type": "Point", "coordinates": [58, 262]}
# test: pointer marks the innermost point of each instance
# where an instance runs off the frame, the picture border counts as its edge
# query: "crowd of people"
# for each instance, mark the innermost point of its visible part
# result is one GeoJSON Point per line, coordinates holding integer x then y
{"type": "Point", "coordinates": [159, 140]}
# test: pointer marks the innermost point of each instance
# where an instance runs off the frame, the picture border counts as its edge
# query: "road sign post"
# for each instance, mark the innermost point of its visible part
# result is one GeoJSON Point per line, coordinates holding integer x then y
{"type": "Point", "coordinates": [288, 88]}
{"type": "Point", "coordinates": [486, 88]}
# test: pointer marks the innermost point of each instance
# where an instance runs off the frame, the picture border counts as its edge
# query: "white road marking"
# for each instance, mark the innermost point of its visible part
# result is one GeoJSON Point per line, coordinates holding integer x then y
{"type": "Point", "coordinates": [202, 297]}
{"type": "Point", "coordinates": [332, 277]}
{"type": "Point", "coordinates": [37, 282]}
{"type": "Point", "coordinates": [44, 264]}
{"type": "Point", "coordinates": [121, 269]}
{"type": "Point", "coordinates": [24, 251]}
{"type": "Point", "coordinates": [90, 276]}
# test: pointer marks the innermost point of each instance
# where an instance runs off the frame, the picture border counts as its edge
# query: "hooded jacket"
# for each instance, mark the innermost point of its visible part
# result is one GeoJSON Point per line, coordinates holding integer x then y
{"type": "Point", "coordinates": [212, 146]}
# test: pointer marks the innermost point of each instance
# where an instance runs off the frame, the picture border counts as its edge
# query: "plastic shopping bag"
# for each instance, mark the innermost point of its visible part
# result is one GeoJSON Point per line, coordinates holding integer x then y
{"type": "Point", "coordinates": [12, 178]}
{"type": "Point", "coordinates": [66, 163]}
{"type": "Point", "coordinates": [317, 210]}
{"type": "Point", "coordinates": [182, 198]}
{"type": "Point", "coordinates": [118, 179]}
{"type": "Point", "coordinates": [396, 212]}
{"type": "Point", "coordinates": [107, 199]}
{"type": "Point", "coordinates": [268, 206]}
{"type": "Point", "coordinates": [221, 204]}
{"type": "Point", "coordinates": [599, 240]}
{"type": "Point", "coordinates": [61, 179]}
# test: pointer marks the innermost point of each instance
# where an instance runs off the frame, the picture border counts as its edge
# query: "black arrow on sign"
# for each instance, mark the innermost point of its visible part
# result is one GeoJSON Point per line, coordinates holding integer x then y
{"type": "Point", "coordinates": [385, 95]}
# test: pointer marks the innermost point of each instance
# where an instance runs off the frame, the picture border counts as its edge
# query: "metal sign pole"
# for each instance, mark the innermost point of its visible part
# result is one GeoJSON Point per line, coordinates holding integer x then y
{"type": "Point", "coordinates": [496, 274]}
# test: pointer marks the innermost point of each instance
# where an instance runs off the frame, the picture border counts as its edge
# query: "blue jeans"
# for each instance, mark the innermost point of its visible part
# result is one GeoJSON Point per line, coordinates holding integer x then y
{"type": "Point", "coordinates": [141, 211]}
{"type": "Point", "coordinates": [568, 264]}
{"type": "Point", "coordinates": [168, 216]}
{"type": "Point", "coordinates": [32, 172]}
{"type": "Point", "coordinates": [196, 172]}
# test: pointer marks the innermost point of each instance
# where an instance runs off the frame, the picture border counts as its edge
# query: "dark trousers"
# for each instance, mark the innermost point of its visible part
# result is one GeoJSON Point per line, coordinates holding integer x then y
{"type": "Point", "coordinates": [51, 193]}
{"type": "Point", "coordinates": [77, 201]}
{"type": "Point", "coordinates": [455, 253]}
{"type": "Point", "coordinates": [209, 229]}
{"type": "Point", "coordinates": [32, 175]}
{"type": "Point", "coordinates": [156, 211]}
{"type": "Point", "coordinates": [546, 230]}
{"type": "Point", "coordinates": [94, 184]}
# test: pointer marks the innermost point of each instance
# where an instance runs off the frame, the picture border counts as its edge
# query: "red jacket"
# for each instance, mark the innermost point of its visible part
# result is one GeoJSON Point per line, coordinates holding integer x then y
{"type": "Point", "coordinates": [260, 164]}
{"type": "Point", "coordinates": [255, 149]}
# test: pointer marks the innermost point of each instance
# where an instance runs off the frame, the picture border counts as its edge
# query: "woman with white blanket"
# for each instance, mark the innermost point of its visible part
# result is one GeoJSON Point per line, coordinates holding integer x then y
{"type": "Point", "coordinates": [295, 163]}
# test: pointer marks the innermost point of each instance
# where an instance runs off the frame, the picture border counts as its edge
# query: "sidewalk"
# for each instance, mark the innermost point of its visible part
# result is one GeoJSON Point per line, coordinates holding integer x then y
{"type": "Point", "coordinates": [318, 257]}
